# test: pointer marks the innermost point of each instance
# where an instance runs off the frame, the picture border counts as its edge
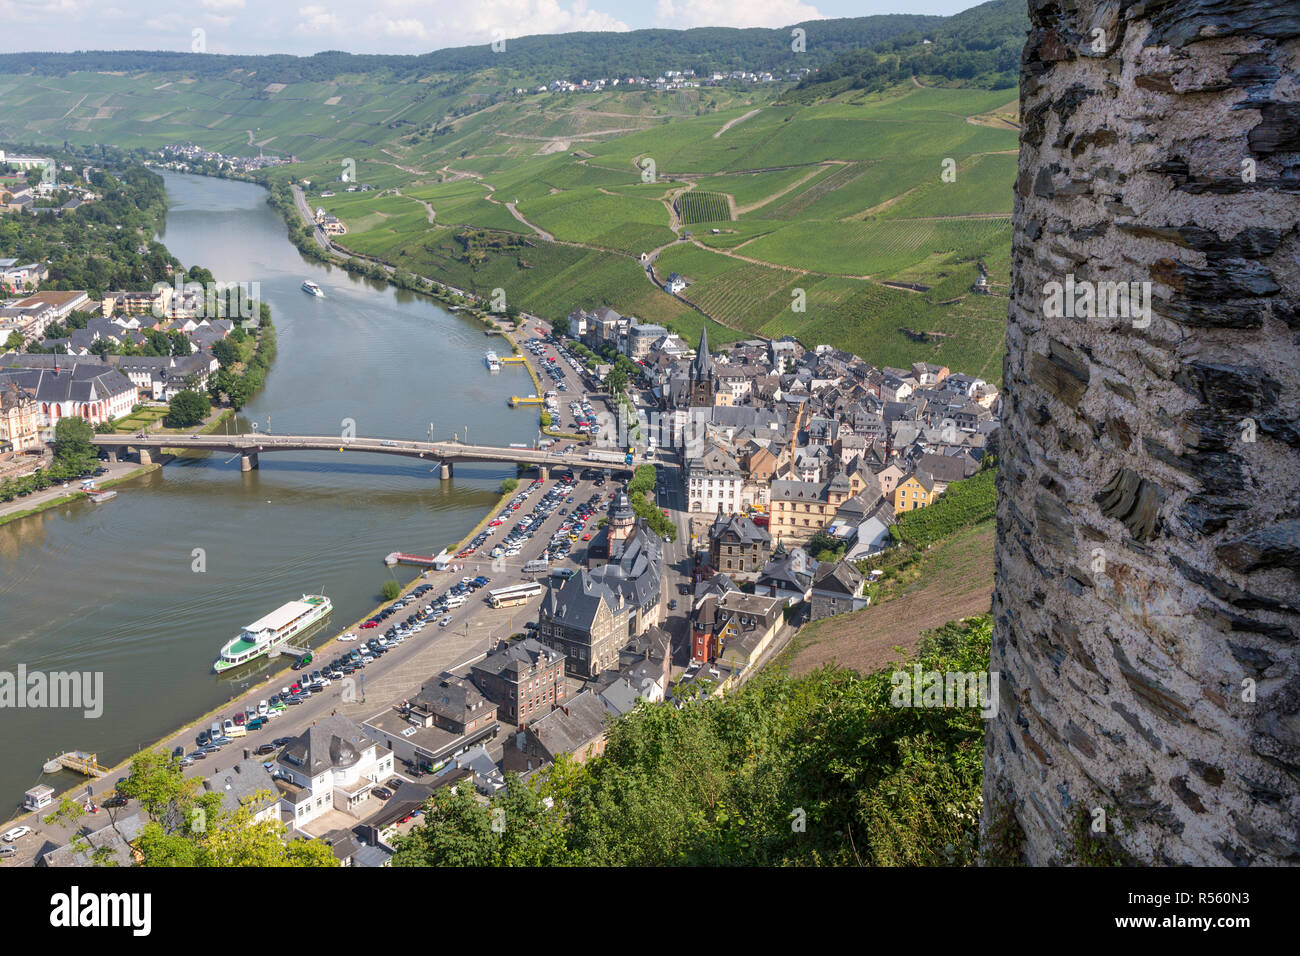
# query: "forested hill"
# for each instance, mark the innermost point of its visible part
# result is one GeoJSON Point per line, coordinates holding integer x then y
{"type": "Point", "coordinates": [570, 56]}
{"type": "Point", "coordinates": [978, 47]}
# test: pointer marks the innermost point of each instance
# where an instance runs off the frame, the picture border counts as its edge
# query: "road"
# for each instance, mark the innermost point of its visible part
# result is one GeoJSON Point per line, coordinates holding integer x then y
{"type": "Point", "coordinates": [38, 498]}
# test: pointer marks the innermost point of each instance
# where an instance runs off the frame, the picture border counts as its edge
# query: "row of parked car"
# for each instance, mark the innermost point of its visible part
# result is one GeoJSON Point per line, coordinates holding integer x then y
{"type": "Point", "coordinates": [528, 525]}
{"type": "Point", "coordinates": [572, 528]}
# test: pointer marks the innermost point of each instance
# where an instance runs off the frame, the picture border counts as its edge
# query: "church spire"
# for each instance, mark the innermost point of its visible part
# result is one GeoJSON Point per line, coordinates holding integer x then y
{"type": "Point", "coordinates": [702, 367]}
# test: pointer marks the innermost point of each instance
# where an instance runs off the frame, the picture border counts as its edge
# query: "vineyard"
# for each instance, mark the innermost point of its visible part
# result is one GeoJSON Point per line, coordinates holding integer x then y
{"type": "Point", "coordinates": [965, 503]}
{"type": "Point", "coordinates": [697, 206]}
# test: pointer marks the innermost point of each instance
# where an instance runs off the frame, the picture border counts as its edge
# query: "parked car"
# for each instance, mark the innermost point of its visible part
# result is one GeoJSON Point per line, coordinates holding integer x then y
{"type": "Point", "coordinates": [116, 800]}
{"type": "Point", "coordinates": [383, 793]}
{"type": "Point", "coordinates": [265, 749]}
{"type": "Point", "coordinates": [17, 833]}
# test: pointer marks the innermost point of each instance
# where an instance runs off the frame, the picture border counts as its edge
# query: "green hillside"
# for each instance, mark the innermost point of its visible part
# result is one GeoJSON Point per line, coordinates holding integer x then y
{"type": "Point", "coordinates": [821, 211]}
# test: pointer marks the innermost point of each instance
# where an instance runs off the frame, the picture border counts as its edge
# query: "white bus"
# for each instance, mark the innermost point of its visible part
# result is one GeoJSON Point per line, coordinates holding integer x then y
{"type": "Point", "coordinates": [515, 595]}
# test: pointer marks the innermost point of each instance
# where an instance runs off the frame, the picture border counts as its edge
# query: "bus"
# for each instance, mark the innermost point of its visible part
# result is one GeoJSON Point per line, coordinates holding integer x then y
{"type": "Point", "coordinates": [515, 595]}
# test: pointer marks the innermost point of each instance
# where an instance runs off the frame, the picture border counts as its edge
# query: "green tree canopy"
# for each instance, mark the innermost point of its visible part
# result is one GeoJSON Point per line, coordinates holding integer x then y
{"type": "Point", "coordinates": [187, 408]}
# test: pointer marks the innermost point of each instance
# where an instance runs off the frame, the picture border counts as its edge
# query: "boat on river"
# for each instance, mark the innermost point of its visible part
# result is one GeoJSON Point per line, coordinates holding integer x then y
{"type": "Point", "coordinates": [292, 619]}
{"type": "Point", "coordinates": [493, 362]}
{"type": "Point", "coordinates": [312, 288]}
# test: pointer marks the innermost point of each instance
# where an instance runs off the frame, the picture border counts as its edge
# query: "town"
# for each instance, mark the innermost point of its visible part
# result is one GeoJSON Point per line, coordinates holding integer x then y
{"type": "Point", "coordinates": [731, 496]}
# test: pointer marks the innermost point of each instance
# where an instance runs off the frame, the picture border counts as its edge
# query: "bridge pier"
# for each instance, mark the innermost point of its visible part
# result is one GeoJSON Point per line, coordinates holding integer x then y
{"type": "Point", "coordinates": [543, 472]}
{"type": "Point", "coordinates": [145, 457]}
{"type": "Point", "coordinates": [248, 461]}
{"type": "Point", "coordinates": [445, 471]}
{"type": "Point", "coordinates": [113, 454]}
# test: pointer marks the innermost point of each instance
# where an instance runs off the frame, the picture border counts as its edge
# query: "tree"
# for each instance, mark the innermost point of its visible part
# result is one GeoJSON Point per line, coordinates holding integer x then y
{"type": "Point", "coordinates": [187, 408]}
{"type": "Point", "coordinates": [189, 827]}
{"type": "Point", "coordinates": [15, 341]}
{"type": "Point", "coordinates": [560, 326]}
{"type": "Point", "coordinates": [616, 380]}
{"type": "Point", "coordinates": [227, 354]}
{"type": "Point", "coordinates": [390, 590]}
{"type": "Point", "coordinates": [239, 392]}
{"type": "Point", "coordinates": [72, 440]}
{"type": "Point", "coordinates": [180, 345]}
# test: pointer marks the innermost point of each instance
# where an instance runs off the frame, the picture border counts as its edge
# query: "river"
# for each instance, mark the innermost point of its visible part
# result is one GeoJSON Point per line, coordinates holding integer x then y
{"type": "Point", "coordinates": [113, 589]}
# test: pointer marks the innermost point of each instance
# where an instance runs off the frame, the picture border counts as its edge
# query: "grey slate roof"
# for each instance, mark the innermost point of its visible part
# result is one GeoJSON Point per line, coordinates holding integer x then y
{"type": "Point", "coordinates": [571, 726]}
{"type": "Point", "coordinates": [333, 742]}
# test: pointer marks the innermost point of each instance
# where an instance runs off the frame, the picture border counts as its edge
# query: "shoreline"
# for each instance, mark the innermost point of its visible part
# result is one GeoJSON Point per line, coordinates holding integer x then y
{"type": "Point", "coordinates": [272, 678]}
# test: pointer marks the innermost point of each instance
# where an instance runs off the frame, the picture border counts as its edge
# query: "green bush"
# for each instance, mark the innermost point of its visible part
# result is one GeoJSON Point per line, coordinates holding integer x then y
{"type": "Point", "coordinates": [390, 590]}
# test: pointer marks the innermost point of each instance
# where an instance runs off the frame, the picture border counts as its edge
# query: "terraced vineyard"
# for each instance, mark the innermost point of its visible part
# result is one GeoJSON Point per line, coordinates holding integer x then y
{"type": "Point", "coordinates": [815, 204]}
{"type": "Point", "coordinates": [698, 206]}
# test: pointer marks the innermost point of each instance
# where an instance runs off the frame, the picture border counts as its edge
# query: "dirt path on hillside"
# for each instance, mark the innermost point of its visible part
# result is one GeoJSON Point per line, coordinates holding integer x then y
{"type": "Point", "coordinates": [777, 195]}
{"type": "Point", "coordinates": [732, 122]}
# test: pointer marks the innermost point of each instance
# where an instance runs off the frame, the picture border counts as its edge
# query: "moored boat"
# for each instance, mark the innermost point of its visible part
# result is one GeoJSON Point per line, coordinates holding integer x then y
{"type": "Point", "coordinates": [292, 619]}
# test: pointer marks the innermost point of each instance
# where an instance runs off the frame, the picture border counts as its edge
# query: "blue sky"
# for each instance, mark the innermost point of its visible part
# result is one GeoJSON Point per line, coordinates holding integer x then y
{"type": "Point", "coordinates": [387, 26]}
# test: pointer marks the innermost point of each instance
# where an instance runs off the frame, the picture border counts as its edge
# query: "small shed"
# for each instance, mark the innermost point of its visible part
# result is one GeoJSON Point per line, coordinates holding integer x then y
{"type": "Point", "coordinates": [38, 798]}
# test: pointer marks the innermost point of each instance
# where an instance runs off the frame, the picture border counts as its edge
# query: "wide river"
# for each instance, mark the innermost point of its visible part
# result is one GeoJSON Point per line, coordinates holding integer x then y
{"type": "Point", "coordinates": [113, 589]}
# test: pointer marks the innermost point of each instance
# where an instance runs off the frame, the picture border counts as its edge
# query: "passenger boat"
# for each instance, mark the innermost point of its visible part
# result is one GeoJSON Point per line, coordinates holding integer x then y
{"type": "Point", "coordinates": [312, 288]}
{"type": "Point", "coordinates": [289, 620]}
{"type": "Point", "coordinates": [493, 362]}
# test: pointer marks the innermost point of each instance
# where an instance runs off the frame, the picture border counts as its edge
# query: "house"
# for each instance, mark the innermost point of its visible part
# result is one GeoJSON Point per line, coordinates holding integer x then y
{"type": "Point", "coordinates": [713, 482]}
{"type": "Point", "coordinates": [110, 844]}
{"type": "Point", "coordinates": [788, 576]}
{"type": "Point", "coordinates": [576, 728]}
{"type": "Point", "coordinates": [837, 588]}
{"type": "Point", "coordinates": [735, 627]}
{"type": "Point", "coordinates": [642, 337]}
{"type": "Point", "coordinates": [448, 716]}
{"type": "Point", "coordinates": [945, 469]}
{"type": "Point", "coordinates": [800, 509]}
{"type": "Point", "coordinates": [675, 284]}
{"type": "Point", "coordinates": [737, 545]}
{"type": "Point", "coordinates": [329, 766]}
{"type": "Point", "coordinates": [475, 765]}
{"type": "Point", "coordinates": [19, 419]}
{"type": "Point", "coordinates": [246, 785]}
{"type": "Point", "coordinates": [525, 679]}
{"type": "Point", "coordinates": [914, 491]}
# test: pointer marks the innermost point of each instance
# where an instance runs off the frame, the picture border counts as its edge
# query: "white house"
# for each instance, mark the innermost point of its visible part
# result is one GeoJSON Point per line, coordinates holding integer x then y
{"type": "Point", "coordinates": [332, 765]}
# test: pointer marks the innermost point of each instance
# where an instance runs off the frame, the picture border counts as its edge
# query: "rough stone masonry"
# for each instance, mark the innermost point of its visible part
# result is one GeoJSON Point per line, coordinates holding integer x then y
{"type": "Point", "coordinates": [1148, 557]}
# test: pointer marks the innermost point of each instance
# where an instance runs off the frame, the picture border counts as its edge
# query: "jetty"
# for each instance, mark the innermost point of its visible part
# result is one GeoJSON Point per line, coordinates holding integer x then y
{"type": "Point", "coordinates": [78, 761]}
{"type": "Point", "coordinates": [401, 557]}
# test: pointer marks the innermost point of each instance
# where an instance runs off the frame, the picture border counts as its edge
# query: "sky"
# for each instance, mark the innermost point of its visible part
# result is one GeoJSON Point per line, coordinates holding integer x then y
{"type": "Point", "coordinates": [304, 27]}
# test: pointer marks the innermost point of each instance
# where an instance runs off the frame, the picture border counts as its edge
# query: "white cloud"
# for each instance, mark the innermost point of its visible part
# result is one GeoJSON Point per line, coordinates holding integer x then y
{"type": "Point", "coordinates": [408, 26]}
{"type": "Point", "coordinates": [223, 4]}
{"type": "Point", "coordinates": [684, 14]}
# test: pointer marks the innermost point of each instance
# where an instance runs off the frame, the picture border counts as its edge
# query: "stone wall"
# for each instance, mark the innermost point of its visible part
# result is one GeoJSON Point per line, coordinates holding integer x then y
{"type": "Point", "coordinates": [1148, 558]}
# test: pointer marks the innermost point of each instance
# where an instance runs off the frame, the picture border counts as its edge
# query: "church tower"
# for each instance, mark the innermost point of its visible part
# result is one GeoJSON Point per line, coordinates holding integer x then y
{"type": "Point", "coordinates": [701, 376]}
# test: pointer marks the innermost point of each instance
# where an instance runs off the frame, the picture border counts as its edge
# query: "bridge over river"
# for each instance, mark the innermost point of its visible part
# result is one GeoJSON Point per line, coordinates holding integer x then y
{"type": "Point", "coordinates": [447, 453]}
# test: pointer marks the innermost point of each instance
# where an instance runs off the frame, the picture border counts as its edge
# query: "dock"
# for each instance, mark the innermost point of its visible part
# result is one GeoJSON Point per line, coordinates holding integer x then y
{"type": "Point", "coordinates": [99, 497]}
{"type": "Point", "coordinates": [78, 761]}
{"type": "Point", "coordinates": [401, 557]}
{"type": "Point", "coordinates": [512, 360]}
{"type": "Point", "coordinates": [530, 400]}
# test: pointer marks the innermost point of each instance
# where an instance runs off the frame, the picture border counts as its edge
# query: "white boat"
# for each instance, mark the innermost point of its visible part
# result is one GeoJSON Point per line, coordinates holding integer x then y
{"type": "Point", "coordinates": [493, 362]}
{"type": "Point", "coordinates": [312, 288]}
{"type": "Point", "coordinates": [289, 620]}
